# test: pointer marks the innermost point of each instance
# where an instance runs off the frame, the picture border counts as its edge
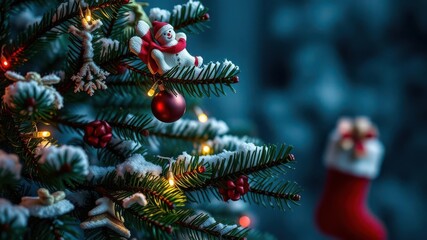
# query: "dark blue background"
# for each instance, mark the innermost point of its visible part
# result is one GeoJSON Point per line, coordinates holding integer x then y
{"type": "Point", "coordinates": [306, 63]}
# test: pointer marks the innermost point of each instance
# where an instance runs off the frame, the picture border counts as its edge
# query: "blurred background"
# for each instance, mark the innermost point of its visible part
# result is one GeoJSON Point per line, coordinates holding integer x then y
{"type": "Point", "coordinates": [305, 63]}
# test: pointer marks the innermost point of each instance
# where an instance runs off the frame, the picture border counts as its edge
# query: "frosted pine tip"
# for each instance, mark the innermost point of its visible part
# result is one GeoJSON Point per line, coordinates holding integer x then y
{"type": "Point", "coordinates": [295, 197]}
{"type": "Point", "coordinates": [290, 157]}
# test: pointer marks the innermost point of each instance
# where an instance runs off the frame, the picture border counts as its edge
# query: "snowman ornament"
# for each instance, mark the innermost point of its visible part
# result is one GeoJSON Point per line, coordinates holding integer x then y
{"type": "Point", "coordinates": [165, 51]}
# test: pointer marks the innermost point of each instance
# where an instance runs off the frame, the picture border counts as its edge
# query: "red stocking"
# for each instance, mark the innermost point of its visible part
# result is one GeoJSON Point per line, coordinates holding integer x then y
{"type": "Point", "coordinates": [343, 212]}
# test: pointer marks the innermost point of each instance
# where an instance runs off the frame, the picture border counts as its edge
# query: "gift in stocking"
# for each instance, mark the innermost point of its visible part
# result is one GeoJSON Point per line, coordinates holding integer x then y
{"type": "Point", "coordinates": [353, 159]}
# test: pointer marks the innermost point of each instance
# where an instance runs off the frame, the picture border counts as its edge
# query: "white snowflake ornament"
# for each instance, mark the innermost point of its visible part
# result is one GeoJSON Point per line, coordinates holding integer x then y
{"type": "Point", "coordinates": [90, 77]}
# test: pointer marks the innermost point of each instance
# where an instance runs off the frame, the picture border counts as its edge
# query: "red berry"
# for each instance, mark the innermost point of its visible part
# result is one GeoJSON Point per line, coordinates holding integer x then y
{"type": "Point", "coordinates": [230, 184]}
{"type": "Point", "coordinates": [240, 190]}
{"type": "Point", "coordinates": [93, 140]}
{"type": "Point", "coordinates": [65, 168]}
{"type": "Point", "coordinates": [290, 157]}
{"type": "Point", "coordinates": [169, 229]}
{"type": "Point", "coordinates": [98, 134]}
{"type": "Point", "coordinates": [99, 131]}
{"type": "Point", "coordinates": [236, 197]}
{"type": "Point", "coordinates": [244, 177]}
{"type": "Point", "coordinates": [121, 69]}
{"type": "Point", "coordinates": [205, 17]}
{"type": "Point", "coordinates": [222, 191]}
{"type": "Point", "coordinates": [246, 187]}
{"type": "Point", "coordinates": [231, 193]}
{"type": "Point", "coordinates": [145, 133]}
{"type": "Point", "coordinates": [201, 169]}
{"type": "Point", "coordinates": [225, 198]}
{"type": "Point", "coordinates": [235, 79]}
{"type": "Point", "coordinates": [89, 130]}
{"type": "Point", "coordinates": [30, 102]}
{"type": "Point", "coordinates": [296, 197]}
{"type": "Point", "coordinates": [239, 182]}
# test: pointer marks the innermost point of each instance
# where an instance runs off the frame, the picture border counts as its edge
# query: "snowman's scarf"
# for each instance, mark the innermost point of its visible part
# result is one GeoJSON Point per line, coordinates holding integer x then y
{"type": "Point", "coordinates": [149, 44]}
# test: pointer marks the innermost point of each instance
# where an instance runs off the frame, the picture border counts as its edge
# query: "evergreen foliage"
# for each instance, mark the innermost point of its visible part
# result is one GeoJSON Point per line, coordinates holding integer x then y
{"type": "Point", "coordinates": [168, 214]}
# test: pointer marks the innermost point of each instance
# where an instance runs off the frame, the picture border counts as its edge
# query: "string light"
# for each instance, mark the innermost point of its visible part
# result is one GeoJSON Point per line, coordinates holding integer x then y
{"type": "Point", "coordinates": [169, 175]}
{"type": "Point", "coordinates": [41, 134]}
{"type": "Point", "coordinates": [171, 178]}
{"type": "Point", "coordinates": [153, 89]}
{"type": "Point", "coordinates": [4, 61]}
{"type": "Point", "coordinates": [206, 149]}
{"type": "Point", "coordinates": [88, 14]}
{"type": "Point", "coordinates": [200, 114]}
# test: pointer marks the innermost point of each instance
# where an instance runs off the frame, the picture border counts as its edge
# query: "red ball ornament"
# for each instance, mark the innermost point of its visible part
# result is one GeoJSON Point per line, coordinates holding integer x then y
{"type": "Point", "coordinates": [98, 134]}
{"type": "Point", "coordinates": [168, 107]}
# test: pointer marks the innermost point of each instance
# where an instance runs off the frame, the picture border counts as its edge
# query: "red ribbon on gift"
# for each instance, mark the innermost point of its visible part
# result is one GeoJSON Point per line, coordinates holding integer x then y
{"type": "Point", "coordinates": [355, 135]}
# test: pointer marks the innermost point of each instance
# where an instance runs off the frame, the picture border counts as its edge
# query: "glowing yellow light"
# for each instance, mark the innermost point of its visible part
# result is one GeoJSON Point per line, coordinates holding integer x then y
{"type": "Point", "coordinates": [200, 114]}
{"type": "Point", "coordinates": [244, 221]}
{"type": "Point", "coordinates": [151, 92]}
{"type": "Point", "coordinates": [153, 88]}
{"type": "Point", "coordinates": [88, 15]}
{"type": "Point", "coordinates": [41, 134]}
{"type": "Point", "coordinates": [171, 179]}
{"type": "Point", "coordinates": [203, 117]}
{"type": "Point", "coordinates": [206, 149]}
{"type": "Point", "coordinates": [5, 63]}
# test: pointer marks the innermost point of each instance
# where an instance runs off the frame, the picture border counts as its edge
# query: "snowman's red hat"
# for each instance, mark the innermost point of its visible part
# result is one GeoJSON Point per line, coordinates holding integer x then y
{"type": "Point", "coordinates": [160, 27]}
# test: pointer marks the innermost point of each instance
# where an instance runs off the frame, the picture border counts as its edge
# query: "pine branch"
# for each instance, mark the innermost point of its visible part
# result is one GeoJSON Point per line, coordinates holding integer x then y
{"type": "Point", "coordinates": [101, 234]}
{"type": "Point", "coordinates": [62, 227]}
{"type": "Point", "coordinates": [156, 189]}
{"type": "Point", "coordinates": [273, 193]}
{"type": "Point", "coordinates": [5, 6]}
{"type": "Point", "coordinates": [190, 18]}
{"type": "Point", "coordinates": [210, 81]}
{"type": "Point", "coordinates": [189, 130]}
{"type": "Point", "coordinates": [7, 180]}
{"type": "Point", "coordinates": [150, 217]}
{"type": "Point", "coordinates": [247, 163]}
{"type": "Point", "coordinates": [55, 19]}
{"type": "Point", "coordinates": [128, 126]}
{"type": "Point", "coordinates": [114, 154]}
{"type": "Point", "coordinates": [202, 226]}
{"type": "Point", "coordinates": [192, 174]}
{"type": "Point", "coordinates": [21, 145]}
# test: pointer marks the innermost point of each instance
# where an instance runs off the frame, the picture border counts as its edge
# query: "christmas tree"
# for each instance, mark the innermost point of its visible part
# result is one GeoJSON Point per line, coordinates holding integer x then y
{"type": "Point", "coordinates": [86, 154]}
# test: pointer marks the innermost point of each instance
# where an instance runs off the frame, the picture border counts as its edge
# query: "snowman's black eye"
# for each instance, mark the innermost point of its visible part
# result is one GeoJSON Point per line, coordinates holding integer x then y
{"type": "Point", "coordinates": [164, 34]}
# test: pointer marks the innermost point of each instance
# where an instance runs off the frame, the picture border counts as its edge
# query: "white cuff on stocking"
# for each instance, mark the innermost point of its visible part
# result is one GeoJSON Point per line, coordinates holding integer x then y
{"type": "Point", "coordinates": [366, 166]}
